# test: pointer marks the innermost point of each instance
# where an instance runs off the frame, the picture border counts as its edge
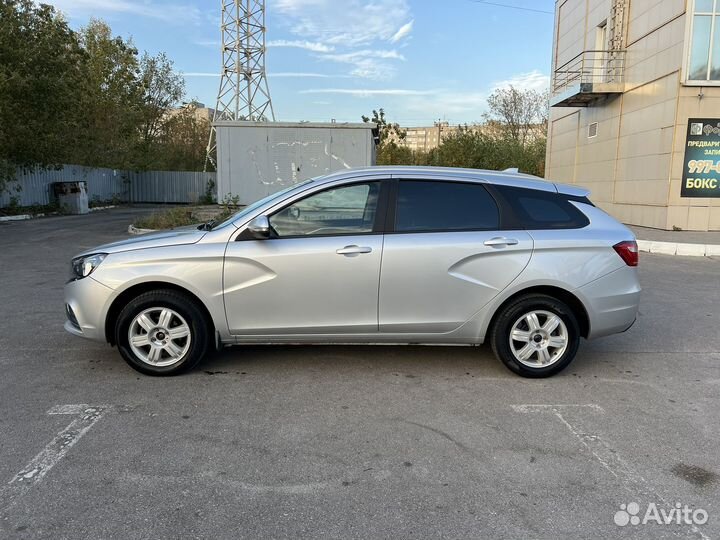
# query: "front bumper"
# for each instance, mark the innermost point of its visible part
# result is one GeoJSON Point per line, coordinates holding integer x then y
{"type": "Point", "coordinates": [87, 301]}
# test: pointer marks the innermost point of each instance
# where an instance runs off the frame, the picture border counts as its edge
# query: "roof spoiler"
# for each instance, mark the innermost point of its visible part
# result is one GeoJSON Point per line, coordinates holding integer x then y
{"type": "Point", "coordinates": [574, 191]}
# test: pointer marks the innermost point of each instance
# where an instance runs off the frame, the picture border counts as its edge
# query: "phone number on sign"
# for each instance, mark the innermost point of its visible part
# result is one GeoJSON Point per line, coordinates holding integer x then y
{"type": "Point", "coordinates": [699, 166]}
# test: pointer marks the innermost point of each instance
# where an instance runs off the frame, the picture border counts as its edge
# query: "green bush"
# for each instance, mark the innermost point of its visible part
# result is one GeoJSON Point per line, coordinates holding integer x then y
{"type": "Point", "coordinates": [168, 219]}
{"type": "Point", "coordinates": [183, 216]}
{"type": "Point", "coordinates": [209, 196]}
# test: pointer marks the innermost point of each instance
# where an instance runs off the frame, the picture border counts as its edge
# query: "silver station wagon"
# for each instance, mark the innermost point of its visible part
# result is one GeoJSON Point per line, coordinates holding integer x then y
{"type": "Point", "coordinates": [395, 255]}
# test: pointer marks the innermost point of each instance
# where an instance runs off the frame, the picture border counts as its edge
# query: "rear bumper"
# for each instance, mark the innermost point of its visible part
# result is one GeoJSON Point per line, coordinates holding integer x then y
{"type": "Point", "coordinates": [86, 300]}
{"type": "Point", "coordinates": [612, 302]}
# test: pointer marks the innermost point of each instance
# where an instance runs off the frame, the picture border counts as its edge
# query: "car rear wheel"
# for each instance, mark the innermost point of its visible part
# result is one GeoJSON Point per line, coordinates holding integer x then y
{"type": "Point", "coordinates": [536, 336]}
{"type": "Point", "coordinates": [162, 332]}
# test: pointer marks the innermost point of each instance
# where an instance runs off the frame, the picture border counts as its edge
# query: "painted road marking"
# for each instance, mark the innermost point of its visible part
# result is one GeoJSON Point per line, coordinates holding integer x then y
{"type": "Point", "coordinates": [633, 481]}
{"type": "Point", "coordinates": [54, 451]}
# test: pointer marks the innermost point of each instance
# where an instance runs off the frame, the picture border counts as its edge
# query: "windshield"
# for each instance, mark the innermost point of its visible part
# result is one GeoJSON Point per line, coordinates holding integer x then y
{"type": "Point", "coordinates": [257, 204]}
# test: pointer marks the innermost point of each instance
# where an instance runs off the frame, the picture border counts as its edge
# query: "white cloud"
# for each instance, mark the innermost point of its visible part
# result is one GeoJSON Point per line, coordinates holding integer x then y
{"type": "Point", "coordinates": [368, 63]}
{"type": "Point", "coordinates": [198, 74]}
{"type": "Point", "coordinates": [281, 74]}
{"type": "Point", "coordinates": [533, 80]}
{"type": "Point", "coordinates": [343, 22]}
{"type": "Point", "coordinates": [403, 32]}
{"type": "Point", "coordinates": [350, 26]}
{"type": "Point", "coordinates": [359, 92]}
{"type": "Point", "coordinates": [313, 46]}
{"type": "Point", "coordinates": [167, 12]}
{"type": "Point", "coordinates": [307, 45]}
{"type": "Point", "coordinates": [214, 43]}
{"type": "Point", "coordinates": [464, 106]}
{"type": "Point", "coordinates": [354, 56]}
{"type": "Point", "coordinates": [413, 106]}
{"type": "Point", "coordinates": [306, 75]}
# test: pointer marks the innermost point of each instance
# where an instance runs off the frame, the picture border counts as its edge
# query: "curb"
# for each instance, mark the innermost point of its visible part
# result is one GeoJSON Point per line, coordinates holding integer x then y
{"type": "Point", "coordinates": [23, 217]}
{"type": "Point", "coordinates": [134, 230]}
{"type": "Point", "coordinates": [677, 248]}
{"type": "Point", "coordinates": [20, 217]}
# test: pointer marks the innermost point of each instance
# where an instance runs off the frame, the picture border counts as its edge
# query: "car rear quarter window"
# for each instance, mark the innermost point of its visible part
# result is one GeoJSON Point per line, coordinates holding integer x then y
{"type": "Point", "coordinates": [434, 206]}
{"type": "Point", "coordinates": [534, 209]}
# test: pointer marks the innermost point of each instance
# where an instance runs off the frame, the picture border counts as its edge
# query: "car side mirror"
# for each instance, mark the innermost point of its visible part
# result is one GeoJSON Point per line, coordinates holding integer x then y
{"type": "Point", "coordinates": [260, 227]}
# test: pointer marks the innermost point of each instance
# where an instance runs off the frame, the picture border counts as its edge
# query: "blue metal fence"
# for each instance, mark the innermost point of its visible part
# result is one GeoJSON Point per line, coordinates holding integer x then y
{"type": "Point", "coordinates": [109, 184]}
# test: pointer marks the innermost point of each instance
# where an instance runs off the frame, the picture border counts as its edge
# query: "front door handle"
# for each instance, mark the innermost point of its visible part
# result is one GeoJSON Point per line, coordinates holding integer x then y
{"type": "Point", "coordinates": [501, 241]}
{"type": "Point", "coordinates": [353, 250]}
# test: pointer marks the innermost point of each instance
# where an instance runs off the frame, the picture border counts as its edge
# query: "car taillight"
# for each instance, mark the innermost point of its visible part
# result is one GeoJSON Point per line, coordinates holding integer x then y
{"type": "Point", "coordinates": [628, 251]}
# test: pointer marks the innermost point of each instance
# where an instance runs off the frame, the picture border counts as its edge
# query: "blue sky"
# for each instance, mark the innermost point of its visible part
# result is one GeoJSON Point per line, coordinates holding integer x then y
{"type": "Point", "coordinates": [422, 60]}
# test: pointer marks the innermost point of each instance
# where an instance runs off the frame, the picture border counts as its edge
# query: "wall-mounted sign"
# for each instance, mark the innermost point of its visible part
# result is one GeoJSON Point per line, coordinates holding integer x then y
{"type": "Point", "coordinates": [701, 173]}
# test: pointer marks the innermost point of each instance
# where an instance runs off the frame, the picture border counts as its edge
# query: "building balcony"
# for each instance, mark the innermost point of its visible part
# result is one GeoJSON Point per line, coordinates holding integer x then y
{"type": "Point", "coordinates": [588, 78]}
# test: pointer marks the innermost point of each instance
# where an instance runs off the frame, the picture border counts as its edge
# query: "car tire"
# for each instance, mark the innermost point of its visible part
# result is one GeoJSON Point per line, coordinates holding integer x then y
{"type": "Point", "coordinates": [162, 333]}
{"type": "Point", "coordinates": [535, 336]}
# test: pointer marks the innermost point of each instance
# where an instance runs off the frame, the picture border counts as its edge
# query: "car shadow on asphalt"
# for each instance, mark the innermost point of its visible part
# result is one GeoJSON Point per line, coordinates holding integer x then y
{"type": "Point", "coordinates": [477, 361]}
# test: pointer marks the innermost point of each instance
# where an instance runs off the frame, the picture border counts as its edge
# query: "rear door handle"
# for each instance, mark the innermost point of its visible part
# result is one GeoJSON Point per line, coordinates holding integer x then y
{"type": "Point", "coordinates": [501, 241]}
{"type": "Point", "coordinates": [353, 250]}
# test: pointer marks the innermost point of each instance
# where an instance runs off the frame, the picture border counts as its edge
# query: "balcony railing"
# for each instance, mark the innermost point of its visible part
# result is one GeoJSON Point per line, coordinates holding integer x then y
{"type": "Point", "coordinates": [587, 77]}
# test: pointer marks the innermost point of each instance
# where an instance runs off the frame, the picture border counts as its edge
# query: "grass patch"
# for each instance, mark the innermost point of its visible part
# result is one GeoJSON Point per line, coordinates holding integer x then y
{"type": "Point", "coordinates": [96, 201]}
{"type": "Point", "coordinates": [14, 209]}
{"type": "Point", "coordinates": [182, 216]}
{"type": "Point", "coordinates": [168, 219]}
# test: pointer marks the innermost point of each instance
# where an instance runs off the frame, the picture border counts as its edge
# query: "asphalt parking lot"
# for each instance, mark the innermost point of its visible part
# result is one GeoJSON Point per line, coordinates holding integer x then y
{"type": "Point", "coordinates": [351, 442]}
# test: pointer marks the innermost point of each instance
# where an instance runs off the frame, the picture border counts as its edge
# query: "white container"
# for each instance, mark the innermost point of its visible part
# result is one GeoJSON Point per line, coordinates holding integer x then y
{"type": "Point", "coordinates": [255, 159]}
{"type": "Point", "coordinates": [72, 197]}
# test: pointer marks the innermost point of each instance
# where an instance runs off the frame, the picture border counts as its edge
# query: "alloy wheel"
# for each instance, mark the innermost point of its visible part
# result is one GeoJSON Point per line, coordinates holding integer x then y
{"type": "Point", "coordinates": [159, 336]}
{"type": "Point", "coordinates": [538, 339]}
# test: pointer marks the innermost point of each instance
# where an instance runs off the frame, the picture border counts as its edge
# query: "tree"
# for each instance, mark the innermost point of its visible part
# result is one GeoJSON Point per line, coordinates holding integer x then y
{"type": "Point", "coordinates": [127, 98]}
{"type": "Point", "coordinates": [182, 143]}
{"type": "Point", "coordinates": [387, 131]}
{"type": "Point", "coordinates": [161, 90]}
{"type": "Point", "coordinates": [521, 114]}
{"type": "Point", "coordinates": [111, 97]}
{"type": "Point", "coordinates": [86, 98]}
{"type": "Point", "coordinates": [476, 149]}
{"type": "Point", "coordinates": [41, 68]}
{"type": "Point", "coordinates": [492, 145]}
{"type": "Point", "coordinates": [390, 150]}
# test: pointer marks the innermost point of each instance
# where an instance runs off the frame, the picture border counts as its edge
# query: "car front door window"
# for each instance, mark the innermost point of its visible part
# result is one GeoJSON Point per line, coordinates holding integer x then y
{"type": "Point", "coordinates": [338, 211]}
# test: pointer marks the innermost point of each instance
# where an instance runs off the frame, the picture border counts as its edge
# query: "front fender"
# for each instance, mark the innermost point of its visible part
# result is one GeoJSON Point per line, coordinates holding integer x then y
{"type": "Point", "coordinates": [196, 268]}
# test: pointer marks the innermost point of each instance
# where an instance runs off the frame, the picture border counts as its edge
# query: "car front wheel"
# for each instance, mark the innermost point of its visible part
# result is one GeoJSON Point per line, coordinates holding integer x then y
{"type": "Point", "coordinates": [162, 332]}
{"type": "Point", "coordinates": [536, 336]}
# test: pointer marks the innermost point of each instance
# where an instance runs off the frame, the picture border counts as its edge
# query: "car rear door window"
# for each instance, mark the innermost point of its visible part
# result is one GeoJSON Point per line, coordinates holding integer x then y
{"type": "Point", "coordinates": [429, 206]}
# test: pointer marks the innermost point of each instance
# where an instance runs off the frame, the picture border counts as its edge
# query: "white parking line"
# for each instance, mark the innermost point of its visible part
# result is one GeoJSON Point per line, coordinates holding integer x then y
{"type": "Point", "coordinates": [609, 458]}
{"type": "Point", "coordinates": [54, 451]}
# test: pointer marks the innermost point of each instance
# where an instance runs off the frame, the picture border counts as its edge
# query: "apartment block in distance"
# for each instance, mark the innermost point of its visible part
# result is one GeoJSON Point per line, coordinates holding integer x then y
{"type": "Point", "coordinates": [635, 113]}
{"type": "Point", "coordinates": [426, 138]}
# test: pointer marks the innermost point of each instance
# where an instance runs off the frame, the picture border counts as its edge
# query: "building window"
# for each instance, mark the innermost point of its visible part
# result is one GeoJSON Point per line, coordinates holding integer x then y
{"type": "Point", "coordinates": [592, 130]}
{"type": "Point", "coordinates": [600, 58]}
{"type": "Point", "coordinates": [704, 63]}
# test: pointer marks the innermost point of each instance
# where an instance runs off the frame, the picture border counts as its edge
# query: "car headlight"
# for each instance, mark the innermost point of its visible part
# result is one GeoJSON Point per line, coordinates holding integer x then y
{"type": "Point", "coordinates": [84, 266]}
